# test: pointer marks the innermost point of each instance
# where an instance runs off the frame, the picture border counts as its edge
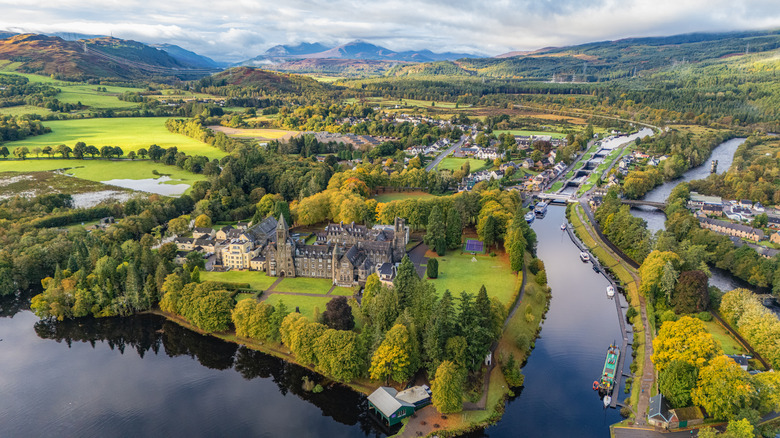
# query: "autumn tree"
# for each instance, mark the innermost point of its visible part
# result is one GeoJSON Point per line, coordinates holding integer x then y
{"type": "Point", "coordinates": [724, 388]}
{"type": "Point", "coordinates": [338, 314]}
{"type": "Point", "coordinates": [393, 358]}
{"type": "Point", "coordinates": [447, 388]}
{"type": "Point", "coordinates": [203, 221]}
{"type": "Point", "coordinates": [652, 270]}
{"type": "Point", "coordinates": [339, 354]}
{"type": "Point", "coordinates": [686, 340]}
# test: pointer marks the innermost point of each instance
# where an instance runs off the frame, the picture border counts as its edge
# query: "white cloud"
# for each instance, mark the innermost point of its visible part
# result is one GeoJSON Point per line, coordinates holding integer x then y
{"type": "Point", "coordinates": [239, 29]}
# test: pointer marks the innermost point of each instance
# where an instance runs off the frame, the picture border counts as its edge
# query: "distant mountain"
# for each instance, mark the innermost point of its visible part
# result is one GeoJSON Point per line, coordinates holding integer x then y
{"type": "Point", "coordinates": [6, 34]}
{"type": "Point", "coordinates": [103, 57]}
{"type": "Point", "coordinates": [355, 50]}
{"type": "Point", "coordinates": [187, 57]}
{"type": "Point", "coordinates": [72, 36]}
{"type": "Point", "coordinates": [603, 60]}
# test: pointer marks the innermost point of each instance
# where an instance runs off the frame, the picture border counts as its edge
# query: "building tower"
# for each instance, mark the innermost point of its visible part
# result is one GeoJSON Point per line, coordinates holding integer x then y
{"type": "Point", "coordinates": [399, 239]}
{"type": "Point", "coordinates": [284, 250]}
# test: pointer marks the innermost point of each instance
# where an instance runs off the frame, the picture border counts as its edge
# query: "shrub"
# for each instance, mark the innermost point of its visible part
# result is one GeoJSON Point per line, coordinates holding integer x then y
{"type": "Point", "coordinates": [667, 315]}
{"type": "Point", "coordinates": [631, 313]}
{"type": "Point", "coordinates": [704, 316]}
{"type": "Point", "coordinates": [433, 268]}
{"type": "Point", "coordinates": [523, 342]}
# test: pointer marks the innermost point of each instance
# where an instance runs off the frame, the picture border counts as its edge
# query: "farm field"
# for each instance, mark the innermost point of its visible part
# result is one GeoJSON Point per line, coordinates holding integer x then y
{"type": "Point", "coordinates": [257, 280]}
{"type": "Point", "coordinates": [103, 170]}
{"type": "Point", "coordinates": [523, 132]}
{"type": "Point", "coordinates": [24, 109]}
{"type": "Point", "coordinates": [128, 133]}
{"type": "Point", "coordinates": [458, 273]}
{"type": "Point", "coordinates": [454, 164]}
{"type": "Point", "coordinates": [396, 196]}
{"type": "Point", "coordinates": [260, 134]}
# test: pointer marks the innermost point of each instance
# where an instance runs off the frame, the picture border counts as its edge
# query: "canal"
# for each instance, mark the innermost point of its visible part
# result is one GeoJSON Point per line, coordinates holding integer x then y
{"type": "Point", "coordinates": [557, 399]}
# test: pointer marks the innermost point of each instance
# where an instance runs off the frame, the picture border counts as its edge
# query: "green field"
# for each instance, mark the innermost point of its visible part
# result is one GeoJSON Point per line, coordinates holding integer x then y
{"type": "Point", "coordinates": [244, 296]}
{"type": "Point", "coordinates": [395, 196]}
{"type": "Point", "coordinates": [305, 285]}
{"type": "Point", "coordinates": [103, 170]}
{"type": "Point", "coordinates": [127, 133]}
{"type": "Point", "coordinates": [305, 304]}
{"type": "Point", "coordinates": [458, 273]}
{"type": "Point", "coordinates": [24, 109]}
{"type": "Point", "coordinates": [454, 164]}
{"type": "Point", "coordinates": [729, 344]}
{"type": "Point", "coordinates": [257, 280]}
{"type": "Point", "coordinates": [523, 132]}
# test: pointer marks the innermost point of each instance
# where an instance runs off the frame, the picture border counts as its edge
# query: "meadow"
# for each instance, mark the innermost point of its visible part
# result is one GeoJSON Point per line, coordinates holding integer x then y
{"type": "Point", "coordinates": [458, 273]}
{"type": "Point", "coordinates": [524, 132]}
{"type": "Point", "coordinates": [256, 280]}
{"type": "Point", "coordinates": [396, 196]}
{"type": "Point", "coordinates": [305, 304]}
{"type": "Point", "coordinates": [128, 133]}
{"type": "Point", "coordinates": [450, 163]}
{"type": "Point", "coordinates": [260, 133]}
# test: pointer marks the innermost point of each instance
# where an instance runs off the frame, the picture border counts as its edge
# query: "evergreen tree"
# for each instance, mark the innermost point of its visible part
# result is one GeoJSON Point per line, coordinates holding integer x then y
{"type": "Point", "coordinates": [490, 233]}
{"type": "Point", "coordinates": [282, 208]}
{"type": "Point", "coordinates": [405, 282]}
{"type": "Point", "coordinates": [436, 236]}
{"type": "Point", "coordinates": [432, 270]}
{"type": "Point", "coordinates": [440, 329]}
{"type": "Point", "coordinates": [454, 229]}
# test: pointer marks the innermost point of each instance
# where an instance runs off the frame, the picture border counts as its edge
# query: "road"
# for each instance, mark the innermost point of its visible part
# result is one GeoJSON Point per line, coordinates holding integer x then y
{"type": "Point", "coordinates": [442, 155]}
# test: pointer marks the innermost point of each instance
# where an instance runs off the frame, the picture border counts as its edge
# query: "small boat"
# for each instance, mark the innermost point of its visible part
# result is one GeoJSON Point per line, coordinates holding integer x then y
{"type": "Point", "coordinates": [596, 268]}
{"type": "Point", "coordinates": [610, 291]}
{"type": "Point", "coordinates": [607, 400]}
{"type": "Point", "coordinates": [584, 256]}
{"type": "Point", "coordinates": [530, 216]}
{"type": "Point", "coordinates": [541, 208]}
{"type": "Point", "coordinates": [563, 226]}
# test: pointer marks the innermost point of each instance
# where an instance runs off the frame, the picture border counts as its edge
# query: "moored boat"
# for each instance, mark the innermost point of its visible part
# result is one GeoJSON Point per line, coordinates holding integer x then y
{"type": "Point", "coordinates": [607, 400]}
{"type": "Point", "coordinates": [610, 291]}
{"type": "Point", "coordinates": [563, 226]}
{"type": "Point", "coordinates": [541, 208]}
{"type": "Point", "coordinates": [607, 381]}
{"type": "Point", "coordinates": [529, 217]}
{"type": "Point", "coordinates": [584, 256]}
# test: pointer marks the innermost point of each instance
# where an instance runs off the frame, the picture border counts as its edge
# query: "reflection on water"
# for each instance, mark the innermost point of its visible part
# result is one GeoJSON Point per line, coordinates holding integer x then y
{"type": "Point", "coordinates": [151, 185]}
{"type": "Point", "coordinates": [557, 399]}
{"type": "Point", "coordinates": [145, 376]}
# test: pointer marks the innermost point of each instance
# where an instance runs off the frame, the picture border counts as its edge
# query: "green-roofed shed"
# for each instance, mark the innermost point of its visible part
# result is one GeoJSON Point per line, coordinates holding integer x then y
{"type": "Point", "coordinates": [386, 405]}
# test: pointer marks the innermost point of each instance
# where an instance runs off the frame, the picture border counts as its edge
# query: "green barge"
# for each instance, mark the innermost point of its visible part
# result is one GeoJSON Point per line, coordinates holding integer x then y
{"type": "Point", "coordinates": [607, 381]}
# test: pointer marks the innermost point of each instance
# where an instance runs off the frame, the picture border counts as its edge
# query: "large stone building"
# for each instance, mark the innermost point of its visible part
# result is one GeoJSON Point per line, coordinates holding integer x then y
{"type": "Point", "coordinates": [345, 253]}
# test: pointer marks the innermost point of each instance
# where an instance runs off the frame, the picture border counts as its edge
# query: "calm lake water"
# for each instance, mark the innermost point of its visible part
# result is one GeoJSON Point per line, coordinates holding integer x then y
{"type": "Point", "coordinates": [151, 185]}
{"type": "Point", "coordinates": [557, 399]}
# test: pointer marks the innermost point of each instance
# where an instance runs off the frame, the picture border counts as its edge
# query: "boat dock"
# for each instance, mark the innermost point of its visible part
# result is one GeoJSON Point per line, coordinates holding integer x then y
{"type": "Point", "coordinates": [618, 298]}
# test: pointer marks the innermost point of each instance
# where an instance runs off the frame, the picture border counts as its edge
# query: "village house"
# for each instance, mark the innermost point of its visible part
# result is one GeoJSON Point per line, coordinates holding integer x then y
{"type": "Point", "coordinates": [730, 229]}
{"type": "Point", "coordinates": [660, 415]}
{"type": "Point", "coordinates": [488, 154]}
{"type": "Point", "coordinates": [775, 238]}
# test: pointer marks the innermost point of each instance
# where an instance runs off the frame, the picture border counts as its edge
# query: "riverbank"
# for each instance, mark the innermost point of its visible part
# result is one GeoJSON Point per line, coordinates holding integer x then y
{"type": "Point", "coordinates": [532, 296]}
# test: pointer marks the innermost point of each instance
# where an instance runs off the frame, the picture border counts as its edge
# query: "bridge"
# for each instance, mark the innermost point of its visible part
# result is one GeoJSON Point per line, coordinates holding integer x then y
{"type": "Point", "coordinates": [639, 202]}
{"type": "Point", "coordinates": [558, 197]}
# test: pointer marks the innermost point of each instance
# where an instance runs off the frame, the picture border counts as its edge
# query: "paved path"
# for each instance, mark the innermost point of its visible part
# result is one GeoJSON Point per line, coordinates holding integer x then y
{"type": "Point", "coordinates": [444, 154]}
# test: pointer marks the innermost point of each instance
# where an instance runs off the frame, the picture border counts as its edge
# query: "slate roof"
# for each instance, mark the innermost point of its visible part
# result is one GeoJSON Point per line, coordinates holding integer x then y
{"type": "Point", "coordinates": [384, 400]}
{"type": "Point", "coordinates": [659, 409]}
{"type": "Point", "coordinates": [386, 269]}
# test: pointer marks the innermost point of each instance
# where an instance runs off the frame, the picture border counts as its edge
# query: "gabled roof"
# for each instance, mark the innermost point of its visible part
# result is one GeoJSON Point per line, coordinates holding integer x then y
{"type": "Point", "coordinates": [384, 400]}
{"type": "Point", "coordinates": [659, 409]}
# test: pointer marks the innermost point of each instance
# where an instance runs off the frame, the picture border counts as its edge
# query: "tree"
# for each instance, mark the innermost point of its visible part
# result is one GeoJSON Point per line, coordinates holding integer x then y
{"type": "Point", "coordinates": [92, 151]}
{"type": "Point", "coordinates": [447, 388]}
{"type": "Point", "coordinates": [37, 152]}
{"type": "Point", "coordinates": [432, 270]}
{"type": "Point", "coordinates": [676, 383]}
{"type": "Point", "coordinates": [131, 155]}
{"type": "Point", "coordinates": [724, 389]}
{"type": "Point", "coordinates": [668, 280]}
{"type": "Point", "coordinates": [393, 358]}
{"type": "Point", "coordinates": [436, 236]}
{"type": "Point", "coordinates": [21, 152]}
{"type": "Point", "coordinates": [685, 339]}
{"type": "Point", "coordinates": [490, 232]}
{"type": "Point", "coordinates": [203, 221]}
{"type": "Point", "coordinates": [178, 225]}
{"type": "Point", "coordinates": [282, 208]}
{"type": "Point", "coordinates": [142, 153]}
{"type": "Point", "coordinates": [652, 270]}
{"type": "Point", "coordinates": [339, 354]}
{"type": "Point", "coordinates": [4, 152]}
{"type": "Point", "coordinates": [338, 314]}
{"type": "Point", "coordinates": [454, 229]}
{"type": "Point", "coordinates": [691, 294]}
{"type": "Point", "coordinates": [79, 150]}
{"type": "Point", "coordinates": [405, 281]}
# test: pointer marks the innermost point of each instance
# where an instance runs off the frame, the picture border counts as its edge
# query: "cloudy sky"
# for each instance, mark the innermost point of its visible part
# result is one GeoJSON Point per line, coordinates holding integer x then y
{"type": "Point", "coordinates": [233, 30]}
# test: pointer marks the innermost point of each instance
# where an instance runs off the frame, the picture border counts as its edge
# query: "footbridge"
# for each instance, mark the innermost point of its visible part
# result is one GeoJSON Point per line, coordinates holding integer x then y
{"type": "Point", "coordinates": [558, 197]}
{"type": "Point", "coordinates": [639, 202]}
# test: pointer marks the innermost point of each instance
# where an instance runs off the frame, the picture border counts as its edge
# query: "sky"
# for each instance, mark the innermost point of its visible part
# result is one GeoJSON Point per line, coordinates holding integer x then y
{"type": "Point", "coordinates": [235, 30]}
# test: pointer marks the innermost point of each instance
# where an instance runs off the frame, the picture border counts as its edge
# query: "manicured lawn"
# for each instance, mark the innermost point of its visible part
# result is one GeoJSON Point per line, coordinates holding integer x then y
{"type": "Point", "coordinates": [103, 170]}
{"type": "Point", "coordinates": [453, 164]}
{"type": "Point", "coordinates": [244, 296]}
{"type": "Point", "coordinates": [257, 280]}
{"type": "Point", "coordinates": [128, 133]}
{"type": "Point", "coordinates": [458, 273]}
{"type": "Point", "coordinates": [305, 304]}
{"type": "Point", "coordinates": [305, 285]}
{"type": "Point", "coordinates": [395, 196]}
{"type": "Point", "coordinates": [523, 132]}
{"type": "Point", "coordinates": [729, 344]}
{"type": "Point", "coordinates": [343, 291]}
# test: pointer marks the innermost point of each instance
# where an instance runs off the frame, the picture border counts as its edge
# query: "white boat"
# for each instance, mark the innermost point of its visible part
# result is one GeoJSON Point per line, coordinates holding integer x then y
{"type": "Point", "coordinates": [529, 217]}
{"type": "Point", "coordinates": [607, 400]}
{"type": "Point", "coordinates": [541, 208]}
{"type": "Point", "coordinates": [563, 227]}
{"type": "Point", "coordinates": [585, 257]}
{"type": "Point", "coordinates": [610, 291]}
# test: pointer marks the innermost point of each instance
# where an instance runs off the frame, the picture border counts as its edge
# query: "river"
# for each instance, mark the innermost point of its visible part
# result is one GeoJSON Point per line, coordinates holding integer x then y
{"type": "Point", "coordinates": [557, 399]}
{"type": "Point", "coordinates": [655, 219]}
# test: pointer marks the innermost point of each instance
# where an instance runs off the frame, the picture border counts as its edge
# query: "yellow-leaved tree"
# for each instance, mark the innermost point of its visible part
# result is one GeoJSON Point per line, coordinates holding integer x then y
{"type": "Point", "coordinates": [724, 388]}
{"type": "Point", "coordinates": [652, 270]}
{"type": "Point", "coordinates": [685, 339]}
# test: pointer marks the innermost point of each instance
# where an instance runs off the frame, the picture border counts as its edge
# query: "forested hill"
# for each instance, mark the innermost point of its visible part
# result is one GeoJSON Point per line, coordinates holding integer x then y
{"type": "Point", "coordinates": [97, 58]}
{"type": "Point", "coordinates": [605, 60]}
{"type": "Point", "coordinates": [266, 81]}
